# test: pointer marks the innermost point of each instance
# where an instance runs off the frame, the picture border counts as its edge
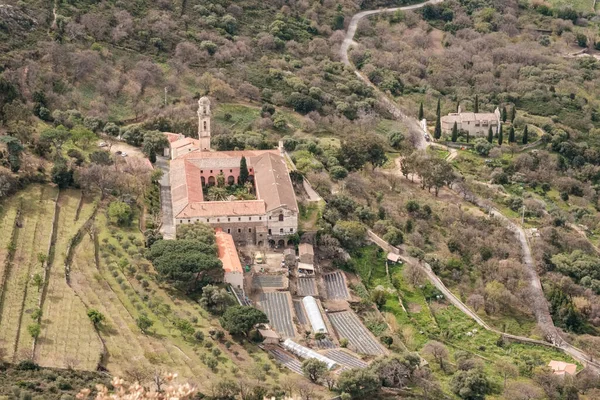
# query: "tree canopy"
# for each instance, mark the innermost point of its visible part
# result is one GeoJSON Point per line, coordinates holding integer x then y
{"type": "Point", "coordinates": [186, 263]}
{"type": "Point", "coordinates": [239, 320]}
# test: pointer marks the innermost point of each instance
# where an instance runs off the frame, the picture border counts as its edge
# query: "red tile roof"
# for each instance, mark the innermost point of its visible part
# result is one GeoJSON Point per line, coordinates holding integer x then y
{"type": "Point", "coordinates": [227, 252]}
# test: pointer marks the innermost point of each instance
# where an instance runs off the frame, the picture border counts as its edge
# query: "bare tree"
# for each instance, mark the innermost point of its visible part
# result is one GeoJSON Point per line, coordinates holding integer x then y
{"type": "Point", "coordinates": [414, 275]}
{"type": "Point", "coordinates": [438, 351]}
{"type": "Point", "coordinates": [475, 301]}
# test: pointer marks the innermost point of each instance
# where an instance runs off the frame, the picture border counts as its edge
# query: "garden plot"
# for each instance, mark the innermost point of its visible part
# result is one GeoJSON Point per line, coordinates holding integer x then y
{"type": "Point", "coordinates": [277, 307]}
{"type": "Point", "coordinates": [347, 325]}
{"type": "Point", "coordinates": [343, 358]}
{"type": "Point", "coordinates": [335, 284]}
{"type": "Point", "coordinates": [68, 338]}
{"type": "Point", "coordinates": [268, 281]}
{"type": "Point", "coordinates": [307, 287]}
{"type": "Point", "coordinates": [286, 360]}
{"type": "Point", "coordinates": [30, 239]}
{"type": "Point", "coordinates": [325, 344]}
{"type": "Point", "coordinates": [8, 217]}
{"type": "Point", "coordinates": [300, 314]}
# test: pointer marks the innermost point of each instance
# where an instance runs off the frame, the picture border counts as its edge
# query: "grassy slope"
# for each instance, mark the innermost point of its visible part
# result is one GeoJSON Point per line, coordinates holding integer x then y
{"type": "Point", "coordinates": [425, 321]}
{"type": "Point", "coordinates": [8, 215]}
{"type": "Point", "coordinates": [118, 293]}
{"type": "Point", "coordinates": [68, 337]}
{"type": "Point", "coordinates": [35, 231]}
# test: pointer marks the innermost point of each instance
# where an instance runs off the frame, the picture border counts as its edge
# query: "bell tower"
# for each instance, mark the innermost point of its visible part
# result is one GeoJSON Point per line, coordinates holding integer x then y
{"type": "Point", "coordinates": [204, 123]}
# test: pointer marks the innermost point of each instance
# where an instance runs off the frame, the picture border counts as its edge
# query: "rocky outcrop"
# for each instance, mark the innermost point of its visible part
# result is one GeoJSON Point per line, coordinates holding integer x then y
{"type": "Point", "coordinates": [14, 21]}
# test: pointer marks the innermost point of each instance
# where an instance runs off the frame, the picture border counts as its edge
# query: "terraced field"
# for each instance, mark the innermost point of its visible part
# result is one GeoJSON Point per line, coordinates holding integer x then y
{"type": "Point", "coordinates": [343, 358]}
{"type": "Point", "coordinates": [19, 298]}
{"type": "Point", "coordinates": [299, 310]}
{"type": "Point", "coordinates": [277, 307]}
{"type": "Point", "coordinates": [307, 287]}
{"type": "Point", "coordinates": [268, 281]}
{"type": "Point", "coordinates": [348, 326]}
{"type": "Point", "coordinates": [335, 284]}
{"type": "Point", "coordinates": [8, 217]}
{"type": "Point", "coordinates": [286, 360]}
{"type": "Point", "coordinates": [68, 338]}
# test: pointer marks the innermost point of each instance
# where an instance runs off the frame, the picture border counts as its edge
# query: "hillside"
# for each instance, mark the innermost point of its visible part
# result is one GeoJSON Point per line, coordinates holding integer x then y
{"type": "Point", "coordinates": [87, 291]}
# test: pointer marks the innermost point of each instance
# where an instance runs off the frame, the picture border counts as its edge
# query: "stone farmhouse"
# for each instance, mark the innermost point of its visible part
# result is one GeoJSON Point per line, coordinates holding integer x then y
{"type": "Point", "coordinates": [268, 220]}
{"type": "Point", "coordinates": [476, 124]}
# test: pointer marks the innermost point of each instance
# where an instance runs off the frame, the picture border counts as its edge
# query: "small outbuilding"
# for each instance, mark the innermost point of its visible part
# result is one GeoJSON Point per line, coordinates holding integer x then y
{"type": "Point", "coordinates": [306, 253]}
{"type": "Point", "coordinates": [269, 336]}
{"type": "Point", "coordinates": [305, 269]}
{"type": "Point", "coordinates": [562, 368]}
{"type": "Point", "coordinates": [394, 258]}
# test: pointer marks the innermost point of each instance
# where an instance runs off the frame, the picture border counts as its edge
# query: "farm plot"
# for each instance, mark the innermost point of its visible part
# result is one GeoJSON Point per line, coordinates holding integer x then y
{"type": "Point", "coordinates": [348, 326]}
{"type": "Point", "coordinates": [300, 314]}
{"type": "Point", "coordinates": [122, 345]}
{"type": "Point", "coordinates": [277, 307]}
{"type": "Point", "coordinates": [287, 361]}
{"type": "Point", "coordinates": [335, 284]}
{"type": "Point", "coordinates": [8, 217]}
{"type": "Point", "coordinates": [307, 287]}
{"type": "Point", "coordinates": [325, 344]}
{"type": "Point", "coordinates": [268, 281]}
{"type": "Point", "coordinates": [343, 358]}
{"type": "Point", "coordinates": [68, 338]}
{"type": "Point", "coordinates": [33, 237]}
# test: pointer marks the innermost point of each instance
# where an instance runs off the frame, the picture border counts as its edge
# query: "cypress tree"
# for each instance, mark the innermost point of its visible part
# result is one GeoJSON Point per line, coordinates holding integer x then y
{"type": "Point", "coordinates": [513, 113]}
{"type": "Point", "coordinates": [439, 109]}
{"type": "Point", "coordinates": [467, 136]}
{"type": "Point", "coordinates": [152, 156]}
{"type": "Point", "coordinates": [490, 135]}
{"type": "Point", "coordinates": [455, 133]}
{"type": "Point", "coordinates": [504, 114]}
{"type": "Point", "coordinates": [476, 104]}
{"type": "Point", "coordinates": [500, 135]}
{"type": "Point", "coordinates": [243, 171]}
{"type": "Point", "coordinates": [421, 111]}
{"type": "Point", "coordinates": [437, 133]}
{"type": "Point", "coordinates": [511, 135]}
{"type": "Point", "coordinates": [525, 135]}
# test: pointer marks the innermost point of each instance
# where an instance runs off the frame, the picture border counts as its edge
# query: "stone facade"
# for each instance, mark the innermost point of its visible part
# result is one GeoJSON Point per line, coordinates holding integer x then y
{"type": "Point", "coordinates": [268, 220]}
{"type": "Point", "coordinates": [476, 124]}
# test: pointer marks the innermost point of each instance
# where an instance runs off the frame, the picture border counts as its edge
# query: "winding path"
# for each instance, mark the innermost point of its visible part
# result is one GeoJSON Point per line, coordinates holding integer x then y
{"type": "Point", "coordinates": [540, 305]}
{"type": "Point", "coordinates": [413, 125]}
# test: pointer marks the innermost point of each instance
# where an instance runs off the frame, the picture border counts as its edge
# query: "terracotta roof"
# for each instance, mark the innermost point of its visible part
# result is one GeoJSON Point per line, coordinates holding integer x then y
{"type": "Point", "coordinates": [186, 141]}
{"type": "Point", "coordinates": [222, 209]}
{"type": "Point", "coordinates": [227, 252]}
{"type": "Point", "coordinates": [469, 117]}
{"type": "Point", "coordinates": [171, 137]}
{"type": "Point", "coordinates": [562, 368]}
{"type": "Point", "coordinates": [273, 183]}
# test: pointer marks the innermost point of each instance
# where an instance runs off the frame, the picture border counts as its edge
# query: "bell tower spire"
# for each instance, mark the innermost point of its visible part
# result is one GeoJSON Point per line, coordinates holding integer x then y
{"type": "Point", "coordinates": [204, 123]}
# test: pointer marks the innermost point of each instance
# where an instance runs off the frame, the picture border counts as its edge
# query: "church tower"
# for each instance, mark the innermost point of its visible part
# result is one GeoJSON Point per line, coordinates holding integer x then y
{"type": "Point", "coordinates": [204, 123]}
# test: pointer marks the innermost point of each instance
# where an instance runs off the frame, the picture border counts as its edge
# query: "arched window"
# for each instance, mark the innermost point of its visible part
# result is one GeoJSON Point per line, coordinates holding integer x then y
{"type": "Point", "coordinates": [281, 217]}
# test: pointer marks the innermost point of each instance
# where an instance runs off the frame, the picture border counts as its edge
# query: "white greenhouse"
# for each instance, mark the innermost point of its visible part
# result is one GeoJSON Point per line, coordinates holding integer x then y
{"type": "Point", "coordinates": [314, 314]}
{"type": "Point", "coordinates": [306, 353]}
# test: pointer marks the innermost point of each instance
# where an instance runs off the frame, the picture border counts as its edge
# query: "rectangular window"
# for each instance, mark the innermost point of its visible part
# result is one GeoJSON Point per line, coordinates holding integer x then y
{"type": "Point", "coordinates": [230, 170]}
{"type": "Point", "coordinates": [218, 219]}
{"type": "Point", "coordinates": [239, 218]}
{"type": "Point", "coordinates": [228, 230]}
{"type": "Point", "coordinates": [250, 230]}
{"type": "Point", "coordinates": [228, 219]}
{"type": "Point", "coordinates": [189, 221]}
{"type": "Point", "coordinates": [260, 218]}
{"type": "Point", "coordinates": [211, 171]}
{"type": "Point", "coordinates": [291, 229]}
{"type": "Point", "coordinates": [239, 231]}
{"type": "Point", "coordinates": [207, 220]}
{"type": "Point", "coordinates": [249, 218]}
{"type": "Point", "coordinates": [280, 230]}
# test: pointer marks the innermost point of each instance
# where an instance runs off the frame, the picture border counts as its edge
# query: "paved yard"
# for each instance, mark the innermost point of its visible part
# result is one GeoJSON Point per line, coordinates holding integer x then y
{"type": "Point", "coordinates": [168, 228]}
